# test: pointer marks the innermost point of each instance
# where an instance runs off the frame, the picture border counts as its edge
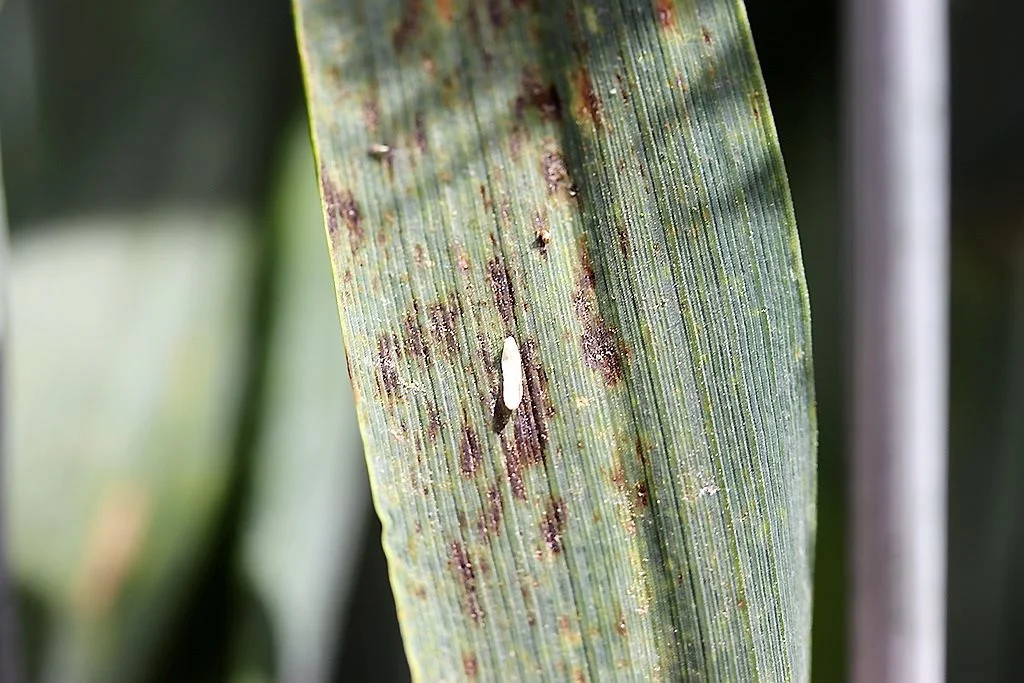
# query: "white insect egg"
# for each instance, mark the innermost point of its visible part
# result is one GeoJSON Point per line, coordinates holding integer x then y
{"type": "Point", "coordinates": [511, 374]}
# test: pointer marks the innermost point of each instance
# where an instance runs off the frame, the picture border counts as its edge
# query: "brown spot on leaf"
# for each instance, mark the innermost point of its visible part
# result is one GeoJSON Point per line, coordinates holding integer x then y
{"type": "Point", "coordinates": [528, 443]}
{"type": "Point", "coordinates": [620, 230]}
{"type": "Point", "coordinates": [461, 258]}
{"type": "Point", "coordinates": [420, 592]}
{"type": "Point", "coordinates": [408, 24]}
{"type": "Point", "coordinates": [501, 289]}
{"type": "Point", "coordinates": [535, 94]}
{"type": "Point", "coordinates": [462, 564]}
{"type": "Point", "coordinates": [642, 497]}
{"type": "Point", "coordinates": [412, 335]}
{"type": "Point", "coordinates": [621, 627]}
{"type": "Point", "coordinates": [469, 665]}
{"type": "Point", "coordinates": [387, 365]}
{"type": "Point", "coordinates": [419, 255]}
{"type": "Point", "coordinates": [421, 132]}
{"type": "Point", "coordinates": [623, 92]}
{"type": "Point", "coordinates": [706, 35]}
{"type": "Point", "coordinates": [553, 524]}
{"type": "Point", "coordinates": [556, 176]}
{"type": "Point", "coordinates": [442, 317]}
{"type": "Point", "coordinates": [341, 203]}
{"type": "Point", "coordinates": [490, 517]}
{"type": "Point", "coordinates": [470, 455]}
{"type": "Point", "coordinates": [663, 12]}
{"type": "Point", "coordinates": [601, 347]}
{"type": "Point", "coordinates": [433, 422]}
{"type": "Point", "coordinates": [590, 104]}
{"type": "Point", "coordinates": [564, 625]}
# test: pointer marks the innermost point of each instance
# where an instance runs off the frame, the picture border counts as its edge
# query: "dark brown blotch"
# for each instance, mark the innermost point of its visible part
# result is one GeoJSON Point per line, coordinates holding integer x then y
{"type": "Point", "coordinates": [556, 176]}
{"type": "Point", "coordinates": [601, 348]}
{"type": "Point", "coordinates": [705, 34]}
{"type": "Point", "coordinates": [496, 13]}
{"type": "Point", "coordinates": [434, 423]}
{"type": "Point", "coordinates": [408, 24]}
{"type": "Point", "coordinates": [623, 92]}
{"type": "Point", "coordinates": [371, 116]}
{"type": "Point", "coordinates": [552, 525]}
{"type": "Point", "coordinates": [412, 335]}
{"type": "Point", "coordinates": [502, 291]}
{"type": "Point", "coordinates": [387, 365]}
{"type": "Point", "coordinates": [590, 103]}
{"type": "Point", "coordinates": [541, 232]}
{"type": "Point", "coordinates": [470, 454]}
{"type": "Point", "coordinates": [442, 317]}
{"type": "Point", "coordinates": [641, 497]}
{"type": "Point", "coordinates": [462, 565]}
{"type": "Point", "coordinates": [528, 443]}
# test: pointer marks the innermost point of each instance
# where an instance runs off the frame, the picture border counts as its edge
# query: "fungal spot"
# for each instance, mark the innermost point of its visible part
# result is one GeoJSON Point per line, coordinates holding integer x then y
{"type": "Point", "coordinates": [379, 151]}
{"type": "Point", "coordinates": [470, 455]}
{"type": "Point", "coordinates": [621, 627]}
{"type": "Point", "coordinates": [601, 348]}
{"type": "Point", "coordinates": [541, 233]}
{"type": "Point", "coordinates": [556, 176]}
{"type": "Point", "coordinates": [421, 132]}
{"type": "Point", "coordinates": [420, 592]}
{"type": "Point", "coordinates": [511, 374]}
{"type": "Point", "coordinates": [408, 24]}
{"type": "Point", "coordinates": [462, 564]}
{"type": "Point", "coordinates": [663, 11]}
{"type": "Point", "coordinates": [534, 94]}
{"type": "Point", "coordinates": [501, 289]}
{"type": "Point", "coordinates": [441, 318]}
{"type": "Point", "coordinates": [706, 35]}
{"type": "Point", "coordinates": [490, 518]}
{"type": "Point", "coordinates": [590, 104]}
{"type": "Point", "coordinates": [642, 497]}
{"type": "Point", "coordinates": [412, 335]}
{"type": "Point", "coordinates": [343, 204]}
{"type": "Point", "coordinates": [419, 256]}
{"type": "Point", "coordinates": [433, 422]}
{"type": "Point", "coordinates": [469, 665]}
{"type": "Point", "coordinates": [387, 365]}
{"type": "Point", "coordinates": [623, 238]}
{"type": "Point", "coordinates": [553, 525]}
{"type": "Point", "coordinates": [461, 258]}
{"type": "Point", "coordinates": [500, 417]}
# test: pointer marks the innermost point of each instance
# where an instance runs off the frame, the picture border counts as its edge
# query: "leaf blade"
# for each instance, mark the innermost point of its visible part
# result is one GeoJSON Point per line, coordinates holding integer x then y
{"type": "Point", "coordinates": [623, 213]}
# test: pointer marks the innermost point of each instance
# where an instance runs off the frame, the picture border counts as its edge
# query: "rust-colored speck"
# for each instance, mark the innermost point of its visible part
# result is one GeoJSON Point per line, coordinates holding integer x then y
{"type": "Point", "coordinates": [469, 665]}
{"type": "Point", "coordinates": [408, 24]}
{"type": "Point", "coordinates": [556, 176]}
{"type": "Point", "coordinates": [462, 564]}
{"type": "Point", "coordinates": [461, 258]}
{"type": "Point", "coordinates": [564, 625]}
{"type": "Point", "coordinates": [501, 289]}
{"type": "Point", "coordinates": [445, 10]}
{"type": "Point", "coordinates": [387, 365]}
{"type": "Point", "coordinates": [488, 204]}
{"type": "Point", "coordinates": [535, 94]}
{"type": "Point", "coordinates": [421, 132]}
{"type": "Point", "coordinates": [433, 422]}
{"type": "Point", "coordinates": [663, 11]}
{"type": "Point", "coordinates": [442, 317]}
{"type": "Point", "coordinates": [353, 218]}
{"type": "Point", "coordinates": [623, 238]}
{"type": "Point", "coordinates": [496, 12]}
{"type": "Point", "coordinates": [706, 35]}
{"type": "Point", "coordinates": [578, 676]}
{"type": "Point", "coordinates": [420, 592]}
{"type": "Point", "coordinates": [621, 627]}
{"type": "Point", "coordinates": [590, 104]}
{"type": "Point", "coordinates": [553, 524]}
{"type": "Point", "coordinates": [470, 455]}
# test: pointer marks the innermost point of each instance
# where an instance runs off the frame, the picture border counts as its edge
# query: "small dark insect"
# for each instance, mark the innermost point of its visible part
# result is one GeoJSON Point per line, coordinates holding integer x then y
{"type": "Point", "coordinates": [379, 150]}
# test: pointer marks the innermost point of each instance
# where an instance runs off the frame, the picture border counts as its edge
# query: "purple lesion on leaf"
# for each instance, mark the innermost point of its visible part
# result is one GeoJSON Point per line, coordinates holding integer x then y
{"type": "Point", "coordinates": [462, 565]}
{"type": "Point", "coordinates": [552, 525]}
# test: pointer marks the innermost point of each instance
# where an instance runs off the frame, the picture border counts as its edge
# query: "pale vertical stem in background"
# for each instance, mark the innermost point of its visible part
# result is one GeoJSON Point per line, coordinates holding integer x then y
{"type": "Point", "coordinates": [8, 649]}
{"type": "Point", "coordinates": [898, 201]}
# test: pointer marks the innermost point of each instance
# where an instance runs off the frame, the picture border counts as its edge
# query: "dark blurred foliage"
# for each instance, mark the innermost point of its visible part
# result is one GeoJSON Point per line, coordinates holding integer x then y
{"type": "Point", "coordinates": [111, 104]}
